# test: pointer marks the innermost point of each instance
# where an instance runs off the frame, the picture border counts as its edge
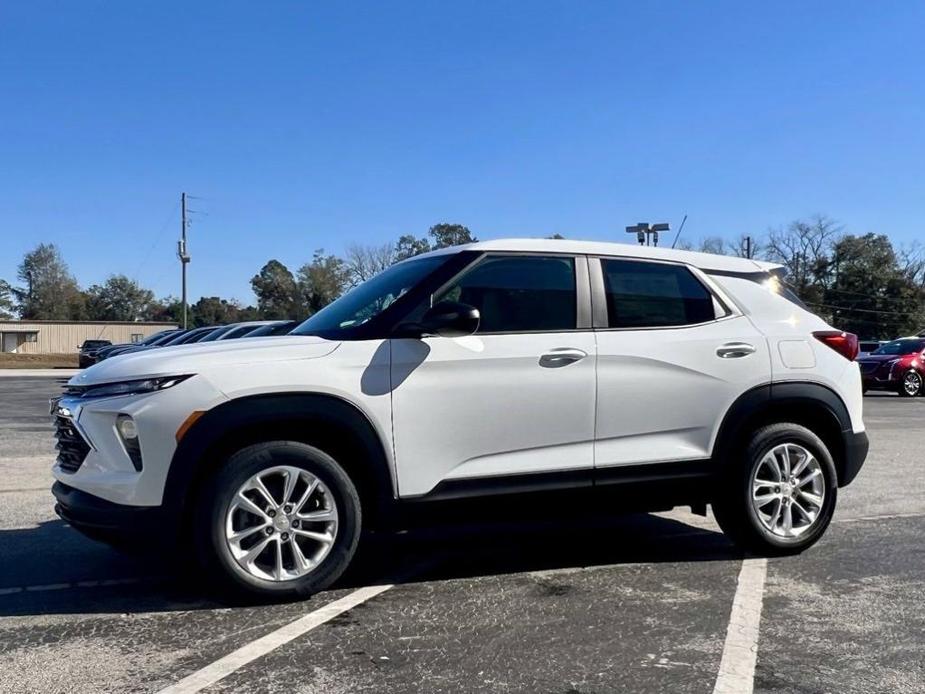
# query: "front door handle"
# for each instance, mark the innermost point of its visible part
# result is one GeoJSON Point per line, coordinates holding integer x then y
{"type": "Point", "coordinates": [735, 350]}
{"type": "Point", "coordinates": [562, 356]}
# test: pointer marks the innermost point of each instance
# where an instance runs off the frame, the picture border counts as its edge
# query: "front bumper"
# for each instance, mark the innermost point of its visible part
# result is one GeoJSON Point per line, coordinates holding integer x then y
{"type": "Point", "coordinates": [872, 383]}
{"type": "Point", "coordinates": [90, 513]}
{"type": "Point", "coordinates": [856, 447]}
{"type": "Point", "coordinates": [98, 463]}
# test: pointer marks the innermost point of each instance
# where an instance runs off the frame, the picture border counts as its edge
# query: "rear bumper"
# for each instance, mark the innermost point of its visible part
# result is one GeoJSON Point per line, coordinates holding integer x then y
{"type": "Point", "coordinates": [90, 513]}
{"type": "Point", "coordinates": [856, 447]}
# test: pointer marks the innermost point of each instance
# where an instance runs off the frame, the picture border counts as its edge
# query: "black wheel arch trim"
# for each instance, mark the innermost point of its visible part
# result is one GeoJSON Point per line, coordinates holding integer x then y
{"type": "Point", "coordinates": [771, 397]}
{"type": "Point", "coordinates": [275, 409]}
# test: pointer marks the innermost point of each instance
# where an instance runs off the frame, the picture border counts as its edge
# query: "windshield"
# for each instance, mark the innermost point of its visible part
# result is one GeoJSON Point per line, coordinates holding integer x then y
{"type": "Point", "coordinates": [901, 347]}
{"type": "Point", "coordinates": [372, 297]}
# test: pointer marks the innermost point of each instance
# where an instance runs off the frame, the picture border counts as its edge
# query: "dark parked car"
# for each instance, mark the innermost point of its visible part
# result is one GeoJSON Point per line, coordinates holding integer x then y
{"type": "Point", "coordinates": [283, 327]}
{"type": "Point", "coordinates": [181, 338]}
{"type": "Point", "coordinates": [150, 341]}
{"type": "Point", "coordinates": [865, 347]}
{"type": "Point", "coordinates": [88, 351]}
{"type": "Point", "coordinates": [898, 365]}
{"type": "Point", "coordinates": [237, 330]}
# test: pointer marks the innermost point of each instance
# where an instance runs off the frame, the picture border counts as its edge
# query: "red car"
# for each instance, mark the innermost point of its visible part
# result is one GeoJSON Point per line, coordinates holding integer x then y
{"type": "Point", "coordinates": [898, 365]}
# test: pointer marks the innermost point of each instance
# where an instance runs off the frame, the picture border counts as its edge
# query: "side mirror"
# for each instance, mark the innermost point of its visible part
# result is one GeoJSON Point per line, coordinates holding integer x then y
{"type": "Point", "coordinates": [450, 319]}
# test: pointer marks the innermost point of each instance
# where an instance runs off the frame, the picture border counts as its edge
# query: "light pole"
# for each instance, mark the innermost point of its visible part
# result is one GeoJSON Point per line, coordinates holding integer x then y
{"type": "Point", "coordinates": [647, 234]}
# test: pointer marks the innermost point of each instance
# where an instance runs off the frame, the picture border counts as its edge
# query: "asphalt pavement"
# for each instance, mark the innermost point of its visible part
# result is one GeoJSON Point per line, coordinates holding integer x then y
{"type": "Point", "coordinates": [600, 603]}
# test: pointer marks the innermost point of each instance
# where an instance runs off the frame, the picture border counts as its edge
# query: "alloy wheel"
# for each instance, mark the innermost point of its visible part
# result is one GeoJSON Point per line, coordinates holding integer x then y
{"type": "Point", "coordinates": [788, 490]}
{"type": "Point", "coordinates": [912, 383]}
{"type": "Point", "coordinates": [281, 524]}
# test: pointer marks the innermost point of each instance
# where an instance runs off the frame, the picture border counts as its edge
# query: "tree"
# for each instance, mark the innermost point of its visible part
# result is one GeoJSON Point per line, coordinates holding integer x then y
{"type": "Point", "coordinates": [409, 246]}
{"type": "Point", "coordinates": [804, 249]}
{"type": "Point", "coordinates": [445, 235]}
{"type": "Point", "coordinates": [276, 291]}
{"type": "Point", "coordinates": [7, 305]}
{"type": "Point", "coordinates": [168, 309]}
{"type": "Point", "coordinates": [713, 244]}
{"type": "Point", "coordinates": [213, 310]}
{"type": "Point", "coordinates": [869, 293]}
{"type": "Point", "coordinates": [118, 299]}
{"type": "Point", "coordinates": [557, 236]}
{"type": "Point", "coordinates": [321, 281]}
{"type": "Point", "coordinates": [51, 292]}
{"type": "Point", "coordinates": [365, 262]}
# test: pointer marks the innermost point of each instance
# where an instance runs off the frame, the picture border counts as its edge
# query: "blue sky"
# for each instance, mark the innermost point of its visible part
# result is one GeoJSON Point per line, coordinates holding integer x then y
{"type": "Point", "coordinates": [309, 125]}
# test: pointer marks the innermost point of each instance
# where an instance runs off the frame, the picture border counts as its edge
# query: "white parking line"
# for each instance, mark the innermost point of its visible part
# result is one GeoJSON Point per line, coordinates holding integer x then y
{"type": "Point", "coordinates": [235, 660]}
{"type": "Point", "coordinates": [885, 516]}
{"type": "Point", "coordinates": [740, 651]}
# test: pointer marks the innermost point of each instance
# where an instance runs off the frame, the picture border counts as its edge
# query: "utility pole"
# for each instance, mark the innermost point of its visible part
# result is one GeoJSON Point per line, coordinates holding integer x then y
{"type": "Point", "coordinates": [748, 247]}
{"type": "Point", "coordinates": [182, 254]}
{"type": "Point", "coordinates": [647, 235]}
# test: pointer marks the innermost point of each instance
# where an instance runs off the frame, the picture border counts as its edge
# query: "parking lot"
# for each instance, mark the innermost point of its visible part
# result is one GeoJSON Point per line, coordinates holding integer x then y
{"type": "Point", "coordinates": [639, 603]}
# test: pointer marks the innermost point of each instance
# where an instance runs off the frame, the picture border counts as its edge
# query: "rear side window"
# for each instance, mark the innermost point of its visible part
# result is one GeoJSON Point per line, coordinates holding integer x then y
{"type": "Point", "coordinates": [772, 281]}
{"type": "Point", "coordinates": [518, 293]}
{"type": "Point", "coordinates": [654, 295]}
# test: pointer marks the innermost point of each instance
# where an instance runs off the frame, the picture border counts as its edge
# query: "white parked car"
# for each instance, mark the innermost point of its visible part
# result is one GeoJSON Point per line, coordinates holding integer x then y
{"type": "Point", "coordinates": [501, 367]}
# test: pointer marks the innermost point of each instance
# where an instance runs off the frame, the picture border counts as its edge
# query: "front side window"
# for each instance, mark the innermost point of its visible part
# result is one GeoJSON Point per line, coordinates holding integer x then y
{"type": "Point", "coordinates": [518, 293]}
{"type": "Point", "coordinates": [641, 294]}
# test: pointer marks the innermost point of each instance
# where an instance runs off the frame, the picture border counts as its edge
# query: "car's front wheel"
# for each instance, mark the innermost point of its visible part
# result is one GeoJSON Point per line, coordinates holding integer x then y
{"type": "Point", "coordinates": [911, 384]}
{"type": "Point", "coordinates": [281, 520]}
{"type": "Point", "coordinates": [781, 497]}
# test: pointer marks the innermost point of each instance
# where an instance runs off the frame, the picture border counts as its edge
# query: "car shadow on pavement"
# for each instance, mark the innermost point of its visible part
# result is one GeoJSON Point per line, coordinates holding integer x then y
{"type": "Point", "coordinates": [504, 547]}
{"type": "Point", "coordinates": [53, 569]}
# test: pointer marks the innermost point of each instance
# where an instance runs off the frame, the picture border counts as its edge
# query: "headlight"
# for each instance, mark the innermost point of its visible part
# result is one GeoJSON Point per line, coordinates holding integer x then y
{"type": "Point", "coordinates": [145, 385]}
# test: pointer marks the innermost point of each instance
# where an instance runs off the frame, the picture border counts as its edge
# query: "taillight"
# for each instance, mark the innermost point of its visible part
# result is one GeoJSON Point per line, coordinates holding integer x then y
{"type": "Point", "coordinates": [846, 344]}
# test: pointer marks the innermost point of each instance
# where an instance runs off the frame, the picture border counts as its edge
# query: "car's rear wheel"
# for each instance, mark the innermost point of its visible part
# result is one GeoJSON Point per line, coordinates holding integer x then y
{"type": "Point", "coordinates": [911, 384]}
{"type": "Point", "coordinates": [281, 520]}
{"type": "Point", "coordinates": [781, 498]}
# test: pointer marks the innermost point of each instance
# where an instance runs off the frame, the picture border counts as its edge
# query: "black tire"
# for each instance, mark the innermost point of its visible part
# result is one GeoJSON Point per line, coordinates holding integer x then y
{"type": "Point", "coordinates": [910, 373]}
{"type": "Point", "coordinates": [213, 549]}
{"type": "Point", "coordinates": [733, 507]}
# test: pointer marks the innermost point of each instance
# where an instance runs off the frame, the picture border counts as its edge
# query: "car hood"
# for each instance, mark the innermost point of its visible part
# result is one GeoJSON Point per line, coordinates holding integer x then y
{"type": "Point", "coordinates": [877, 358]}
{"type": "Point", "coordinates": [191, 359]}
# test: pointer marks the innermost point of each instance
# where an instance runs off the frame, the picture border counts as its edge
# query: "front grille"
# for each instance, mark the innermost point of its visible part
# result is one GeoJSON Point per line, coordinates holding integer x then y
{"type": "Point", "coordinates": [72, 447]}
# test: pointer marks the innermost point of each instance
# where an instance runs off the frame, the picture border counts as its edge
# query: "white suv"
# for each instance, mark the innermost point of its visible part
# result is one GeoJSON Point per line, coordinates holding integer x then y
{"type": "Point", "coordinates": [496, 368]}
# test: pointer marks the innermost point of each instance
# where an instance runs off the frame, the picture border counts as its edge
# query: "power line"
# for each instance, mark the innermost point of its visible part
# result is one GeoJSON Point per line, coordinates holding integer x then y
{"type": "Point", "coordinates": [863, 310]}
{"type": "Point", "coordinates": [867, 296]}
{"type": "Point", "coordinates": [157, 239]}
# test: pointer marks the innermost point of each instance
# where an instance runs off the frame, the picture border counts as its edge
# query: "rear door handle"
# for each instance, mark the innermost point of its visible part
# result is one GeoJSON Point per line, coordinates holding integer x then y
{"type": "Point", "coordinates": [735, 350]}
{"type": "Point", "coordinates": [562, 356]}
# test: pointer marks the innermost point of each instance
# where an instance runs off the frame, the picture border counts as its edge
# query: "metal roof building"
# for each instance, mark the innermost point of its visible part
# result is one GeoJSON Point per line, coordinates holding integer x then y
{"type": "Point", "coordinates": [65, 337]}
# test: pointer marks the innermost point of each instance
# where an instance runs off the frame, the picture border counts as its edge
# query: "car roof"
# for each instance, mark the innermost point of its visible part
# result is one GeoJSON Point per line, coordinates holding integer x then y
{"type": "Point", "coordinates": [704, 261]}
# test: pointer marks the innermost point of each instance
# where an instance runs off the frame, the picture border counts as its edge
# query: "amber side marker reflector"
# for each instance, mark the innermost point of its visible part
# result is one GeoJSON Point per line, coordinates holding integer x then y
{"type": "Point", "coordinates": [187, 423]}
